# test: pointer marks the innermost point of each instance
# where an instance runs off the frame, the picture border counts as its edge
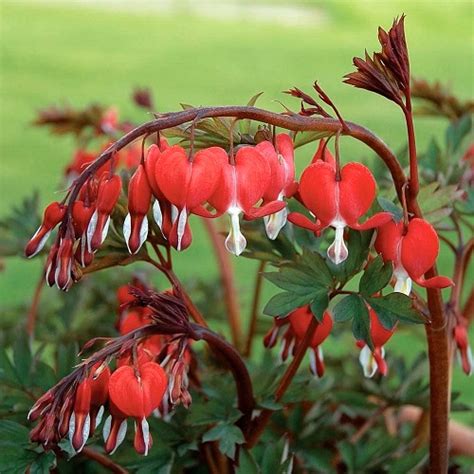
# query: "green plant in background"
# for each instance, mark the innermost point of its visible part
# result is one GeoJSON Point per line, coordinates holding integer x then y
{"type": "Point", "coordinates": [337, 423]}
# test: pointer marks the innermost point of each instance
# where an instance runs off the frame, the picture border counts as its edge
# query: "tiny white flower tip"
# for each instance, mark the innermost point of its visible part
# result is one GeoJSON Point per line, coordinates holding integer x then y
{"type": "Point", "coordinates": [337, 251]}
{"type": "Point", "coordinates": [235, 241]}
{"type": "Point", "coordinates": [275, 222]}
{"type": "Point", "coordinates": [367, 361]}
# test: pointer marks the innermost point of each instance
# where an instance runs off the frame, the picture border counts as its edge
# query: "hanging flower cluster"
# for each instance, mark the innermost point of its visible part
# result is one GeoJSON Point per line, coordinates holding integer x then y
{"type": "Point", "coordinates": [293, 328]}
{"type": "Point", "coordinates": [150, 377]}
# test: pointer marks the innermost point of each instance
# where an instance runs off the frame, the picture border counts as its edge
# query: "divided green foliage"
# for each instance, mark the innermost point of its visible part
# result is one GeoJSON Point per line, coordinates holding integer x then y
{"type": "Point", "coordinates": [308, 280]}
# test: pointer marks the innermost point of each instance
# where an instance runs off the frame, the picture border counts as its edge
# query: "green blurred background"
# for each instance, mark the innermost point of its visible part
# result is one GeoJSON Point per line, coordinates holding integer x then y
{"type": "Point", "coordinates": [205, 53]}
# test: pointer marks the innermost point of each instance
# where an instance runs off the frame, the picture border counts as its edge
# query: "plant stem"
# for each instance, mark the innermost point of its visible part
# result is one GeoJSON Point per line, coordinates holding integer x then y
{"type": "Point", "coordinates": [227, 280]}
{"type": "Point", "coordinates": [260, 423]}
{"type": "Point", "coordinates": [414, 182]}
{"type": "Point", "coordinates": [103, 460]}
{"type": "Point", "coordinates": [290, 122]}
{"type": "Point", "coordinates": [246, 401]}
{"type": "Point", "coordinates": [254, 311]}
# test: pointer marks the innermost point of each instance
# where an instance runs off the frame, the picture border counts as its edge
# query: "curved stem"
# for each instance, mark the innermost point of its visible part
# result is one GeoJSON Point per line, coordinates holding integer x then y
{"type": "Point", "coordinates": [227, 280]}
{"type": "Point", "coordinates": [246, 401]}
{"type": "Point", "coordinates": [290, 122]}
{"type": "Point", "coordinates": [254, 312]}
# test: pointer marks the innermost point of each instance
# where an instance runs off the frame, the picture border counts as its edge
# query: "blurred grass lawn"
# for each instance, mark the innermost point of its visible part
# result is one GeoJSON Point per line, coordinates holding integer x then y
{"type": "Point", "coordinates": [66, 53]}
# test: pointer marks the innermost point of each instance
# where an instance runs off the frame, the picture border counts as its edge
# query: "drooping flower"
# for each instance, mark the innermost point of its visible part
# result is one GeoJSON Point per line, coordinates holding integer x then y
{"type": "Point", "coordinates": [91, 394]}
{"type": "Point", "coordinates": [53, 215]}
{"type": "Point", "coordinates": [463, 347]}
{"type": "Point", "coordinates": [295, 326]}
{"type": "Point", "coordinates": [242, 184]}
{"type": "Point", "coordinates": [107, 196]}
{"type": "Point", "coordinates": [136, 392]}
{"type": "Point", "coordinates": [413, 252]}
{"type": "Point", "coordinates": [282, 182]}
{"type": "Point", "coordinates": [373, 360]}
{"type": "Point", "coordinates": [187, 183]}
{"type": "Point", "coordinates": [135, 226]}
{"type": "Point", "coordinates": [300, 320]}
{"type": "Point", "coordinates": [337, 203]}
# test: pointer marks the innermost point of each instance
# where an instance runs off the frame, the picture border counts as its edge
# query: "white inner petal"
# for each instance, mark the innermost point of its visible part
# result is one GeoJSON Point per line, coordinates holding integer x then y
{"type": "Point", "coordinates": [99, 416]}
{"type": "Point", "coordinates": [367, 361]}
{"type": "Point", "coordinates": [403, 282]}
{"type": "Point", "coordinates": [106, 429]}
{"type": "Point", "coordinates": [91, 229]}
{"type": "Point", "coordinates": [235, 241]}
{"type": "Point", "coordinates": [275, 222]}
{"type": "Point", "coordinates": [127, 230]}
{"type": "Point", "coordinates": [157, 214]}
{"type": "Point", "coordinates": [183, 218]}
{"type": "Point", "coordinates": [337, 251]}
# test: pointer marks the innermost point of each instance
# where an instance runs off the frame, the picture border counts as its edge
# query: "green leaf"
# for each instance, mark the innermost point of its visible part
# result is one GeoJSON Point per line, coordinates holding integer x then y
{"type": "Point", "coordinates": [44, 463]}
{"type": "Point", "coordinates": [308, 280]}
{"type": "Point", "coordinates": [227, 435]}
{"type": "Point", "coordinates": [319, 304]}
{"type": "Point", "coordinates": [361, 321]}
{"type": "Point", "coordinates": [376, 276]}
{"type": "Point", "coordinates": [389, 206]}
{"type": "Point", "coordinates": [393, 307]}
{"type": "Point", "coordinates": [344, 309]}
{"type": "Point", "coordinates": [457, 131]}
{"type": "Point", "coordinates": [247, 463]}
{"type": "Point", "coordinates": [303, 138]}
{"type": "Point", "coordinates": [409, 462]}
{"type": "Point", "coordinates": [244, 125]}
{"type": "Point", "coordinates": [283, 303]}
{"type": "Point", "coordinates": [7, 370]}
{"type": "Point", "coordinates": [22, 357]}
{"type": "Point", "coordinates": [358, 245]}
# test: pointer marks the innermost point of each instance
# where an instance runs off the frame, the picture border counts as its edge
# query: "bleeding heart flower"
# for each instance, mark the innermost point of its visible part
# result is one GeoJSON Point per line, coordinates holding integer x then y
{"type": "Point", "coordinates": [187, 183]}
{"type": "Point", "coordinates": [136, 392]}
{"type": "Point", "coordinates": [241, 185]}
{"type": "Point", "coordinates": [91, 394]}
{"type": "Point", "coordinates": [413, 252]}
{"type": "Point", "coordinates": [300, 320]}
{"type": "Point", "coordinates": [115, 429]}
{"type": "Point", "coordinates": [463, 347]}
{"type": "Point", "coordinates": [81, 216]}
{"type": "Point", "coordinates": [53, 215]}
{"type": "Point", "coordinates": [135, 226]}
{"type": "Point", "coordinates": [64, 263]}
{"type": "Point", "coordinates": [338, 204]}
{"type": "Point", "coordinates": [373, 360]}
{"type": "Point", "coordinates": [282, 183]}
{"type": "Point", "coordinates": [107, 197]}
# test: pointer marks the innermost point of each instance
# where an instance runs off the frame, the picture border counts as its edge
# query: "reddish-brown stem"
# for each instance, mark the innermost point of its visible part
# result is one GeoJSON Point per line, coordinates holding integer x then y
{"type": "Point", "coordinates": [414, 182]}
{"type": "Point", "coordinates": [33, 311]}
{"type": "Point", "coordinates": [174, 280]}
{"type": "Point", "coordinates": [259, 424]}
{"type": "Point", "coordinates": [227, 280]}
{"type": "Point", "coordinates": [246, 401]}
{"type": "Point", "coordinates": [254, 311]}
{"type": "Point", "coordinates": [103, 460]}
{"type": "Point", "coordinates": [290, 122]}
